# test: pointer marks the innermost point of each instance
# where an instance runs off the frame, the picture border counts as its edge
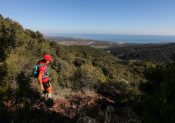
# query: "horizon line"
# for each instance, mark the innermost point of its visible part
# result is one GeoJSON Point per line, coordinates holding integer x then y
{"type": "Point", "coordinates": [57, 34]}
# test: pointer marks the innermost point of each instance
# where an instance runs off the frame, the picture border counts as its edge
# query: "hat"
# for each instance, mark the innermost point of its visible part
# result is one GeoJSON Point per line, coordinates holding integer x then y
{"type": "Point", "coordinates": [47, 57]}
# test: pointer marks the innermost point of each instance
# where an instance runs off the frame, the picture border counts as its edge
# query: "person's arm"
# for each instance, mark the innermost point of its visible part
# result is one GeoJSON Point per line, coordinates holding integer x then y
{"type": "Point", "coordinates": [40, 80]}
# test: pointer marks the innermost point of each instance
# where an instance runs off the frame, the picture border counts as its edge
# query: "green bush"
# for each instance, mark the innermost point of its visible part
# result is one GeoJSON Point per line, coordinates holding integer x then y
{"type": "Point", "coordinates": [157, 104]}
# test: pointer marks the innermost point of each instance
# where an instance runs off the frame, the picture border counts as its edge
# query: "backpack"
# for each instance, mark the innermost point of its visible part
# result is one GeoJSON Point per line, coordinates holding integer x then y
{"type": "Point", "coordinates": [36, 70]}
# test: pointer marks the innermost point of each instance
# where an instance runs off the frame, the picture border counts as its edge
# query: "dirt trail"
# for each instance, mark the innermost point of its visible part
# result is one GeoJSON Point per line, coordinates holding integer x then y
{"type": "Point", "coordinates": [71, 107]}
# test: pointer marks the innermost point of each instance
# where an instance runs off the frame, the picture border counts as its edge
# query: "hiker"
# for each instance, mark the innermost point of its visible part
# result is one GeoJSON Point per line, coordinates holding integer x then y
{"type": "Point", "coordinates": [43, 78]}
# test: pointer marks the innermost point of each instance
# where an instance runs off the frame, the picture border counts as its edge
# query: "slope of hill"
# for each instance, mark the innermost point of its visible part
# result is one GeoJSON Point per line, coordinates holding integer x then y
{"type": "Point", "coordinates": [80, 68]}
{"type": "Point", "coordinates": [156, 53]}
{"type": "Point", "coordinates": [90, 85]}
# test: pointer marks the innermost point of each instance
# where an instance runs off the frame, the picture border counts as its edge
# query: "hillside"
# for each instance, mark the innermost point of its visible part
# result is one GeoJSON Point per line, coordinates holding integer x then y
{"type": "Point", "coordinates": [156, 53]}
{"type": "Point", "coordinates": [90, 85]}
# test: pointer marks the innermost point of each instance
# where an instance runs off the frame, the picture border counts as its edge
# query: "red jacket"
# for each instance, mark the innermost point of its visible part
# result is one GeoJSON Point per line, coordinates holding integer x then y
{"type": "Point", "coordinates": [44, 69]}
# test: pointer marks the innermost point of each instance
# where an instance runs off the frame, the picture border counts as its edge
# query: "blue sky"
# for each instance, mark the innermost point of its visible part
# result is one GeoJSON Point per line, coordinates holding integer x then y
{"type": "Point", "coordinates": [150, 17]}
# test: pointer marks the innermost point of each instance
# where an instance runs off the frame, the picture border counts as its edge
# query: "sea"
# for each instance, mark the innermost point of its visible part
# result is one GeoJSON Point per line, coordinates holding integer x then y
{"type": "Point", "coordinates": [124, 38]}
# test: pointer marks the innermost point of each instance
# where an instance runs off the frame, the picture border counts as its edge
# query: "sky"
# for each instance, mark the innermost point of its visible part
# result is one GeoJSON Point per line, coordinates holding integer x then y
{"type": "Point", "coordinates": [51, 17]}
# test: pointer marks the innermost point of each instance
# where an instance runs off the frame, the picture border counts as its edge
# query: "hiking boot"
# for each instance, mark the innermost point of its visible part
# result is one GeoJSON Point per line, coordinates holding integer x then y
{"type": "Point", "coordinates": [49, 96]}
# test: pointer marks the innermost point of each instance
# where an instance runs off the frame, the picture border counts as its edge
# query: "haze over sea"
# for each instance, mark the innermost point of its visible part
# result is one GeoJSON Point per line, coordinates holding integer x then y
{"type": "Point", "coordinates": [124, 38]}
